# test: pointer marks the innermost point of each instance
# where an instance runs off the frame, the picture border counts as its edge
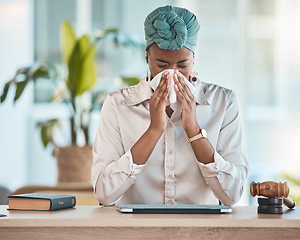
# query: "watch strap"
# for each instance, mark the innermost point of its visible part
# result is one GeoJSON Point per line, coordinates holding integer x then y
{"type": "Point", "coordinates": [198, 136]}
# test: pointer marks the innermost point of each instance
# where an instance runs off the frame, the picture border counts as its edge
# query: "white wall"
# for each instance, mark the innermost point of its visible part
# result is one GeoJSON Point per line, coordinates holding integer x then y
{"type": "Point", "coordinates": [16, 50]}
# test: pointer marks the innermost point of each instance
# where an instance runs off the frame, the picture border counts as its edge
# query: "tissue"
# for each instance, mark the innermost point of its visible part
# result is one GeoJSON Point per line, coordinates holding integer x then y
{"type": "Point", "coordinates": [172, 98]}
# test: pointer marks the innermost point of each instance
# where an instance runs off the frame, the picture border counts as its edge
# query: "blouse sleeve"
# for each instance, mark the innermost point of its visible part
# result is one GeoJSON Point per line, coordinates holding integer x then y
{"type": "Point", "coordinates": [227, 174]}
{"type": "Point", "coordinates": [113, 170]}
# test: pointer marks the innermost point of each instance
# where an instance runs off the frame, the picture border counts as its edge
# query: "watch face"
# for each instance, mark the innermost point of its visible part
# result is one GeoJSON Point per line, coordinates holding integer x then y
{"type": "Point", "coordinates": [204, 133]}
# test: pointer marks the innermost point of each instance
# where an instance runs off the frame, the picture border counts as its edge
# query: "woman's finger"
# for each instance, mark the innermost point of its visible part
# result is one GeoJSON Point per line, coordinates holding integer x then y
{"type": "Point", "coordinates": [184, 85]}
{"type": "Point", "coordinates": [165, 89]}
{"type": "Point", "coordinates": [162, 91]}
{"type": "Point", "coordinates": [161, 86]}
{"type": "Point", "coordinates": [183, 88]}
{"type": "Point", "coordinates": [182, 94]}
{"type": "Point", "coordinates": [164, 96]}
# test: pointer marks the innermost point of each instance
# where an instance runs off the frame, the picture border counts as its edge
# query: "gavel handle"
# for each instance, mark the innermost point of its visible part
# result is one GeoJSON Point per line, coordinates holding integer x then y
{"type": "Point", "coordinates": [289, 202]}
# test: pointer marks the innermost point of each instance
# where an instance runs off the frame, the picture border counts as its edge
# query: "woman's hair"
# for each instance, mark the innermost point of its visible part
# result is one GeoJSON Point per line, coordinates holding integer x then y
{"type": "Point", "coordinates": [171, 28]}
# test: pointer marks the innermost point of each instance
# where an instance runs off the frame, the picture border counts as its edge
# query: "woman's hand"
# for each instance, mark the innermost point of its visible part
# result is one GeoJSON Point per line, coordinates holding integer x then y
{"type": "Point", "coordinates": [157, 104]}
{"type": "Point", "coordinates": [188, 105]}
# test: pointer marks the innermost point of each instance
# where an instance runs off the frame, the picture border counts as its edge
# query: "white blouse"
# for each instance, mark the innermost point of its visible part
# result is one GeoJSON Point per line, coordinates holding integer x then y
{"type": "Point", "coordinates": [172, 174]}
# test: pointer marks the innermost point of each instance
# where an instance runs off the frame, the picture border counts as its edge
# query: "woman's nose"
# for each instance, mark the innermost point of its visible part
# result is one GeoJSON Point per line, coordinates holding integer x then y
{"type": "Point", "coordinates": [173, 67]}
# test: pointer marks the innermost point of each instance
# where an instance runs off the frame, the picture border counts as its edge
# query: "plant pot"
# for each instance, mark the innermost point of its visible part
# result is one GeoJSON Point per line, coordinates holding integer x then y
{"type": "Point", "coordinates": [74, 163]}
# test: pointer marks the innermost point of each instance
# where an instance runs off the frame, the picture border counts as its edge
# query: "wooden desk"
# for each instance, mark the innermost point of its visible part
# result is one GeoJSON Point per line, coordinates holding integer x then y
{"type": "Point", "coordinates": [94, 222]}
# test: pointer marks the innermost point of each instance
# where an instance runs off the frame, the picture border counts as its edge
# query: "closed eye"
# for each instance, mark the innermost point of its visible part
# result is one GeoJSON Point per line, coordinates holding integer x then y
{"type": "Point", "coordinates": [162, 66]}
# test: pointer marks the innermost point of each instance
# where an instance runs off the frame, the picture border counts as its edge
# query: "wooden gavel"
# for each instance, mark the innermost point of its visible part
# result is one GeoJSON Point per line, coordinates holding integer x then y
{"type": "Point", "coordinates": [273, 189]}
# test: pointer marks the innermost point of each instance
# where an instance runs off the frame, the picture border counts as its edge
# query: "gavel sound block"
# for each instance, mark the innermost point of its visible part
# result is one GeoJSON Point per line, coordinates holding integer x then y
{"type": "Point", "coordinates": [276, 193]}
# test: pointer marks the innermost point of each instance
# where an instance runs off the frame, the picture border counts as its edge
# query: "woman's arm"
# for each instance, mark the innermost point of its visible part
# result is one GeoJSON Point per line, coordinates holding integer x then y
{"type": "Point", "coordinates": [113, 170]}
{"type": "Point", "coordinates": [226, 176]}
{"type": "Point", "coordinates": [202, 148]}
{"type": "Point", "coordinates": [224, 168]}
{"type": "Point", "coordinates": [143, 148]}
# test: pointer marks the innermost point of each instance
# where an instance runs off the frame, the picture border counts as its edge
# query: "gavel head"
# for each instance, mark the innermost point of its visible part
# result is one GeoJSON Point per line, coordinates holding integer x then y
{"type": "Point", "coordinates": [269, 189]}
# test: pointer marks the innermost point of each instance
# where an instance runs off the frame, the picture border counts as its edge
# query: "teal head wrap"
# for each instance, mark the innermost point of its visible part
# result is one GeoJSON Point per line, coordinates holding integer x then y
{"type": "Point", "coordinates": [171, 28]}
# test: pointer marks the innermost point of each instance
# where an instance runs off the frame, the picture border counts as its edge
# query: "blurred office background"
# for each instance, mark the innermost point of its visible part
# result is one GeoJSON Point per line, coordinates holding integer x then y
{"type": "Point", "coordinates": [250, 46]}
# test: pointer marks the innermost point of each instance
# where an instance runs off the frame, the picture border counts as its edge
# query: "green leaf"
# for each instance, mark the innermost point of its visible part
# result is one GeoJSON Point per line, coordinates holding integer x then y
{"type": "Point", "coordinates": [76, 75]}
{"type": "Point", "coordinates": [111, 30]}
{"type": "Point", "coordinates": [42, 71]}
{"type": "Point", "coordinates": [20, 88]}
{"type": "Point", "coordinates": [5, 90]}
{"type": "Point", "coordinates": [84, 43]}
{"type": "Point", "coordinates": [23, 71]}
{"type": "Point", "coordinates": [44, 135]}
{"type": "Point", "coordinates": [29, 73]}
{"type": "Point", "coordinates": [67, 39]}
{"type": "Point", "coordinates": [103, 33]}
{"type": "Point", "coordinates": [47, 129]}
{"type": "Point", "coordinates": [130, 80]}
{"type": "Point", "coordinates": [89, 75]}
{"type": "Point", "coordinates": [82, 70]}
{"type": "Point", "coordinates": [74, 66]}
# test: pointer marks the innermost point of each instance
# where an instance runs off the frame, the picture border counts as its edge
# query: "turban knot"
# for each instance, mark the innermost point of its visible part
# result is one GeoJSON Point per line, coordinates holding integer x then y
{"type": "Point", "coordinates": [171, 28]}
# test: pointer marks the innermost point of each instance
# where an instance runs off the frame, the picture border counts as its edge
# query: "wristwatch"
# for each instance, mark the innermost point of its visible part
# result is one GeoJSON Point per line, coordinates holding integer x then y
{"type": "Point", "coordinates": [202, 134]}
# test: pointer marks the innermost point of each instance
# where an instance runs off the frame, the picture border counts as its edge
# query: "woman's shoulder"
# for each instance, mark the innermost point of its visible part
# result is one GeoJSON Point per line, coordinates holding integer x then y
{"type": "Point", "coordinates": [215, 92]}
{"type": "Point", "coordinates": [129, 94]}
{"type": "Point", "coordinates": [216, 88]}
{"type": "Point", "coordinates": [122, 92]}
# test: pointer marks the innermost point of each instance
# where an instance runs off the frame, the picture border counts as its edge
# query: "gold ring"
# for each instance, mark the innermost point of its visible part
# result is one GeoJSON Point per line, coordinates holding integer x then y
{"type": "Point", "coordinates": [158, 98]}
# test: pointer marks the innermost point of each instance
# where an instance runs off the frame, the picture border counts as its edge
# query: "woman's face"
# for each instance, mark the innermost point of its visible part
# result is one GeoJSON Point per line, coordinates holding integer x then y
{"type": "Point", "coordinates": [160, 59]}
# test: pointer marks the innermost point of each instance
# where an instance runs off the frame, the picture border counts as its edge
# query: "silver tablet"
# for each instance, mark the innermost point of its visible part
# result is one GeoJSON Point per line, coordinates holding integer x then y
{"type": "Point", "coordinates": [178, 208]}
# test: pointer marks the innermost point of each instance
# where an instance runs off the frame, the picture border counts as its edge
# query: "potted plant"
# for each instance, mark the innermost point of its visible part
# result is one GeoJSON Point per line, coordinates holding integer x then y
{"type": "Point", "coordinates": [78, 53]}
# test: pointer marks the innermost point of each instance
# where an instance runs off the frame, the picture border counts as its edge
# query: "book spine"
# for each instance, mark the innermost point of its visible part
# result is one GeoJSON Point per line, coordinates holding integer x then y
{"type": "Point", "coordinates": [62, 203]}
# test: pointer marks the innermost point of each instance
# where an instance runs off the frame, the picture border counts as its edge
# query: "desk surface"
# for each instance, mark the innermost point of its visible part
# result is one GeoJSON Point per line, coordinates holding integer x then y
{"type": "Point", "coordinates": [243, 222]}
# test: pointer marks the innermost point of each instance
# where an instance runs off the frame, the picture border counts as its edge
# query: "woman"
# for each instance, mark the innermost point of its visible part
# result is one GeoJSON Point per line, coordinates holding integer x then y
{"type": "Point", "coordinates": [150, 151]}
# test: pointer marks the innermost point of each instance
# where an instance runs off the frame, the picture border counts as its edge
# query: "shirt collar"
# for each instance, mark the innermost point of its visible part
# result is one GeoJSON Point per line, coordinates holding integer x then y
{"type": "Point", "coordinates": [137, 93]}
{"type": "Point", "coordinates": [200, 96]}
{"type": "Point", "coordinates": [142, 91]}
